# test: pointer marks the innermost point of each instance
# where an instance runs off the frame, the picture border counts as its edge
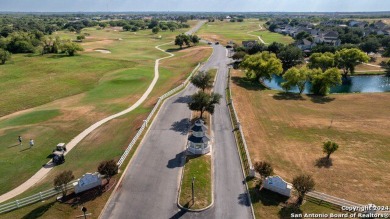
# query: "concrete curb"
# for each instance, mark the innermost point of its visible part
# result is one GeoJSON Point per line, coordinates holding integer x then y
{"type": "Point", "coordinates": [212, 166]}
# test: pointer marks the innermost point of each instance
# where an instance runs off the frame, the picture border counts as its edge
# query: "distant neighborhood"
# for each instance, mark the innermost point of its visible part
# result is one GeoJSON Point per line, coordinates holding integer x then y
{"type": "Point", "coordinates": [308, 34]}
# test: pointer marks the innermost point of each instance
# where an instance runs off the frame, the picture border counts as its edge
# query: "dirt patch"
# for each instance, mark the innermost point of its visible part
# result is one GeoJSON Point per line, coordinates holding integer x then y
{"type": "Point", "coordinates": [289, 133]}
{"type": "Point", "coordinates": [91, 46]}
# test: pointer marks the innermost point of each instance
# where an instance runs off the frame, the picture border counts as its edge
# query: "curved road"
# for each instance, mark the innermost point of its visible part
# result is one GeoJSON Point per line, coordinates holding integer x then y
{"type": "Point", "coordinates": [150, 185]}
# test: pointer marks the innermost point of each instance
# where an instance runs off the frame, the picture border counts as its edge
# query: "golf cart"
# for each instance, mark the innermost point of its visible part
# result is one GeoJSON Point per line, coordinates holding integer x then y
{"type": "Point", "coordinates": [58, 154]}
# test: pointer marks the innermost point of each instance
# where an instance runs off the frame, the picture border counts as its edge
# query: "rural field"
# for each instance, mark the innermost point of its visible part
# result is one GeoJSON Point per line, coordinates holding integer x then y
{"type": "Point", "coordinates": [71, 93]}
{"type": "Point", "coordinates": [289, 131]}
{"type": "Point", "coordinates": [225, 31]}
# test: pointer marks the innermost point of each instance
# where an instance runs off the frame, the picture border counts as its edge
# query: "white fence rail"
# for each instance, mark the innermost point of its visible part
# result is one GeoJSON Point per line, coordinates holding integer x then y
{"type": "Point", "coordinates": [10, 206]}
{"type": "Point", "coordinates": [251, 170]}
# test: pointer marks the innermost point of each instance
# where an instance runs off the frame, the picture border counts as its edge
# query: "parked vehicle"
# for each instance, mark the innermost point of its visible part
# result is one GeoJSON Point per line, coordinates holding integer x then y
{"type": "Point", "coordinates": [216, 43]}
{"type": "Point", "coordinates": [58, 154]}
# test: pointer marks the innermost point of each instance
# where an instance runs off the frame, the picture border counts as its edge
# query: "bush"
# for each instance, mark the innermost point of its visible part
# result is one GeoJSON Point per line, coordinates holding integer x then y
{"type": "Point", "coordinates": [108, 168]}
{"type": "Point", "coordinates": [61, 181]}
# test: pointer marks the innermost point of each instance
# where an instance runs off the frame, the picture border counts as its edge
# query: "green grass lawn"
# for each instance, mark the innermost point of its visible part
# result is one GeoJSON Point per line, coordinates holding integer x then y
{"type": "Point", "coordinates": [104, 84]}
{"type": "Point", "coordinates": [200, 168]}
{"type": "Point", "coordinates": [225, 31]}
{"type": "Point", "coordinates": [110, 140]}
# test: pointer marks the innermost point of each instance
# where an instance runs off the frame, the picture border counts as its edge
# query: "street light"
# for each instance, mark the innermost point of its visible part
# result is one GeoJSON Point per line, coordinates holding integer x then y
{"type": "Point", "coordinates": [193, 196]}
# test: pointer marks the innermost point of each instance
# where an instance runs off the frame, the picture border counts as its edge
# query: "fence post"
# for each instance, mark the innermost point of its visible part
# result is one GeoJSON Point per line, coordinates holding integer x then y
{"type": "Point", "coordinates": [17, 203]}
{"type": "Point", "coordinates": [40, 196]}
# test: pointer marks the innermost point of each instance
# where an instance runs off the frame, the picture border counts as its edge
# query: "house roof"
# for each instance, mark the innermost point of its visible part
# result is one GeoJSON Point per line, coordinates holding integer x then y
{"type": "Point", "coordinates": [331, 34]}
{"type": "Point", "coordinates": [195, 139]}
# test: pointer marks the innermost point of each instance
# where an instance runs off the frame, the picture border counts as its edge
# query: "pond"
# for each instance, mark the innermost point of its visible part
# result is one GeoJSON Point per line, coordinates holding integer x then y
{"type": "Point", "coordinates": [359, 84]}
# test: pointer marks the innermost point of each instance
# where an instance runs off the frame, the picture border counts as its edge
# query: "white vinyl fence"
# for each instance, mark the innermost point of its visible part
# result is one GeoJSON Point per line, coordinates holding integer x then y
{"type": "Point", "coordinates": [10, 206]}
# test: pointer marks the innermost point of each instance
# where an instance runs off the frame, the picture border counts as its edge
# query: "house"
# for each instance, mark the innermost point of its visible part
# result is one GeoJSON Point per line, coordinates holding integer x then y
{"type": "Point", "coordinates": [278, 185]}
{"type": "Point", "coordinates": [330, 38]}
{"type": "Point", "coordinates": [249, 43]}
{"type": "Point", "coordinates": [305, 45]}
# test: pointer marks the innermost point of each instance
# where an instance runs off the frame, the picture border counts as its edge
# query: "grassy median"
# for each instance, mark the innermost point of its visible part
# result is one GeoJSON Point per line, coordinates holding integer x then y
{"type": "Point", "coordinates": [200, 168]}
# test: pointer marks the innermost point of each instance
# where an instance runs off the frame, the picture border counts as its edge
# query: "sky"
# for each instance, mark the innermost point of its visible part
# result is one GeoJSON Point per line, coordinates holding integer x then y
{"type": "Point", "coordinates": [195, 5]}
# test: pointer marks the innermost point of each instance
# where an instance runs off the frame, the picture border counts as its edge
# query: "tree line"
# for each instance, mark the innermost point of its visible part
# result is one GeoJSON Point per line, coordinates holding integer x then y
{"type": "Point", "coordinates": [323, 71]}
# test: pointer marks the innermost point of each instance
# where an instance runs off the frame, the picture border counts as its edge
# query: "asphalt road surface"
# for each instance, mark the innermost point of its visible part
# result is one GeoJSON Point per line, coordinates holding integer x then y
{"type": "Point", "coordinates": [150, 185]}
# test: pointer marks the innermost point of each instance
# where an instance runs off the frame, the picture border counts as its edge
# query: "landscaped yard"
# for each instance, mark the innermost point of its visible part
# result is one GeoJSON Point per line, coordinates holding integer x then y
{"type": "Point", "coordinates": [289, 132]}
{"type": "Point", "coordinates": [225, 31]}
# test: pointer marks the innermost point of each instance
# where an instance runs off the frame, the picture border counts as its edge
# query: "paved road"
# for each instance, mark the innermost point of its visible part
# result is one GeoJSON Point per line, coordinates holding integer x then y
{"type": "Point", "coordinates": [150, 185]}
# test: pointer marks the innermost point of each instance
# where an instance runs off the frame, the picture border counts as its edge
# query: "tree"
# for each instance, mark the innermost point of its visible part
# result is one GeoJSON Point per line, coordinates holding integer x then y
{"type": "Point", "coordinates": [202, 80]}
{"type": "Point", "coordinates": [322, 60]}
{"type": "Point", "coordinates": [264, 169]}
{"type": "Point", "coordinates": [61, 181]}
{"type": "Point", "coordinates": [371, 45]}
{"type": "Point", "coordinates": [80, 37]}
{"type": "Point", "coordinates": [302, 35]}
{"type": "Point", "coordinates": [203, 102]}
{"type": "Point", "coordinates": [290, 56]}
{"type": "Point", "coordinates": [296, 77]}
{"type": "Point", "coordinates": [194, 39]}
{"type": "Point", "coordinates": [261, 66]}
{"type": "Point", "coordinates": [70, 48]}
{"type": "Point", "coordinates": [257, 47]}
{"type": "Point", "coordinates": [387, 68]}
{"type": "Point", "coordinates": [329, 147]}
{"type": "Point", "coordinates": [239, 55]}
{"type": "Point", "coordinates": [275, 47]}
{"type": "Point", "coordinates": [347, 59]}
{"type": "Point", "coordinates": [155, 30]}
{"type": "Point", "coordinates": [4, 56]}
{"type": "Point", "coordinates": [108, 168]}
{"type": "Point", "coordinates": [321, 82]}
{"type": "Point", "coordinates": [182, 39]}
{"type": "Point", "coordinates": [303, 184]}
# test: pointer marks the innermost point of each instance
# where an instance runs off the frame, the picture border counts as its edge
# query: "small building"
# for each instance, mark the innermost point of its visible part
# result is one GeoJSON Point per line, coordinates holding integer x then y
{"type": "Point", "coordinates": [198, 141]}
{"type": "Point", "coordinates": [278, 185]}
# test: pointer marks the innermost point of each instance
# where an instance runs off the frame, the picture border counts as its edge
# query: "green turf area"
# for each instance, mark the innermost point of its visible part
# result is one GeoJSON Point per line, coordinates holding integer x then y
{"type": "Point", "coordinates": [109, 141]}
{"type": "Point", "coordinates": [270, 37]}
{"type": "Point", "coordinates": [225, 31]}
{"type": "Point", "coordinates": [105, 84]}
{"type": "Point", "coordinates": [200, 168]}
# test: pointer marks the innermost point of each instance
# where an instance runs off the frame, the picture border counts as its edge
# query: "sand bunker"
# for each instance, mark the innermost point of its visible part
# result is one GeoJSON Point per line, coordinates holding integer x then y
{"type": "Point", "coordinates": [102, 51]}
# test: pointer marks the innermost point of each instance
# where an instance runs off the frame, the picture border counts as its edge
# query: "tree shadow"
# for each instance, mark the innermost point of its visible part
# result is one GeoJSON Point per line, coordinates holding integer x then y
{"type": "Point", "coordinates": [286, 211]}
{"type": "Point", "coordinates": [183, 99]}
{"type": "Point", "coordinates": [243, 199]}
{"type": "Point", "coordinates": [58, 56]}
{"type": "Point", "coordinates": [324, 162]}
{"type": "Point", "coordinates": [247, 83]}
{"type": "Point", "coordinates": [287, 96]}
{"type": "Point", "coordinates": [181, 126]}
{"type": "Point", "coordinates": [320, 99]}
{"type": "Point", "coordinates": [38, 212]}
{"type": "Point", "coordinates": [177, 161]}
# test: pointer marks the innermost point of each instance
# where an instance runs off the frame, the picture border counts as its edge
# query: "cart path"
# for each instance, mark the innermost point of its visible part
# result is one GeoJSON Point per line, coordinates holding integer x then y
{"type": "Point", "coordinates": [261, 28]}
{"type": "Point", "coordinates": [48, 166]}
